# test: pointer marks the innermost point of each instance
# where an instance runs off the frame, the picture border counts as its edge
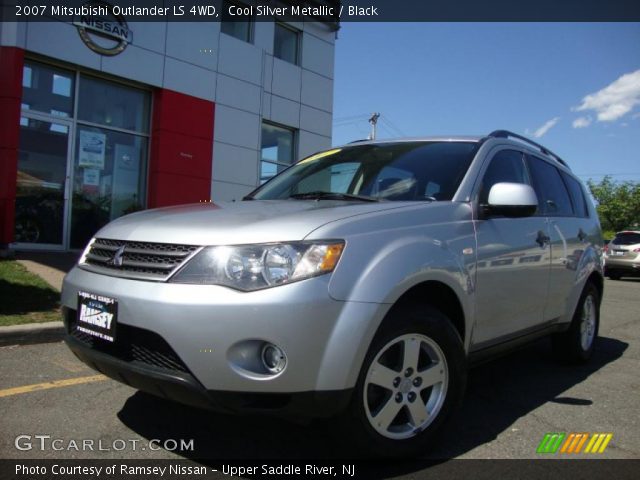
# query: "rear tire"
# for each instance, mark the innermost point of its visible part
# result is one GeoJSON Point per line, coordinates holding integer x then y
{"type": "Point", "coordinates": [577, 344]}
{"type": "Point", "coordinates": [413, 375]}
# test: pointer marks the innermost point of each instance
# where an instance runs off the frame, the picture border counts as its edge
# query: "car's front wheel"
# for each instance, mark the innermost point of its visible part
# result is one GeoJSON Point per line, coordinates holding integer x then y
{"type": "Point", "coordinates": [413, 374]}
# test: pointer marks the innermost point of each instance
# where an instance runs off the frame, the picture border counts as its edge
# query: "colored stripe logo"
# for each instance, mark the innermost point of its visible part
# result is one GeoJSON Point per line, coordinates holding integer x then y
{"type": "Point", "coordinates": [572, 443]}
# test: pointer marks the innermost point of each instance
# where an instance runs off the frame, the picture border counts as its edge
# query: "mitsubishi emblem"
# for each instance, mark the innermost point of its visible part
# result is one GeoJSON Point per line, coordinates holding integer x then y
{"type": "Point", "coordinates": [116, 261]}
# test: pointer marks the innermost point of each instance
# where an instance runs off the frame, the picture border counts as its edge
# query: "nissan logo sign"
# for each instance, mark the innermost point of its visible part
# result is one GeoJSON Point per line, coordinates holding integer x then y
{"type": "Point", "coordinates": [102, 29]}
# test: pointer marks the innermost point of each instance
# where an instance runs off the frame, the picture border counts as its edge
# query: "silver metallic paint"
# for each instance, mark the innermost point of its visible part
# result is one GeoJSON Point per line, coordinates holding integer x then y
{"type": "Point", "coordinates": [325, 324]}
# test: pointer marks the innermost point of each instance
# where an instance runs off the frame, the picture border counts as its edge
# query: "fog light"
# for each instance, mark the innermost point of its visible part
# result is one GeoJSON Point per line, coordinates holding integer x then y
{"type": "Point", "coordinates": [273, 358]}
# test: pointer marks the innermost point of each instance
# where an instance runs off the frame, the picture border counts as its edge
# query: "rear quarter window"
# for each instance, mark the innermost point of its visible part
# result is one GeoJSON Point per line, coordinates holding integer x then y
{"type": "Point", "coordinates": [577, 195]}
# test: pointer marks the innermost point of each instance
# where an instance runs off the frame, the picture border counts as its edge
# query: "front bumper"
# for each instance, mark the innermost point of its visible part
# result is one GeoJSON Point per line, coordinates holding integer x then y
{"type": "Point", "coordinates": [182, 387]}
{"type": "Point", "coordinates": [324, 340]}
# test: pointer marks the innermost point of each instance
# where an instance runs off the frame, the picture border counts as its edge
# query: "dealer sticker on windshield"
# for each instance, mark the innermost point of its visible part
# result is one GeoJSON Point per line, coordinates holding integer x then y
{"type": "Point", "coordinates": [97, 316]}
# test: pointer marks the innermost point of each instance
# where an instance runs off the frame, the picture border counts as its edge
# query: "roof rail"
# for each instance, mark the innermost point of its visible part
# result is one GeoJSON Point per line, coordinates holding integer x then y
{"type": "Point", "coordinates": [545, 150]}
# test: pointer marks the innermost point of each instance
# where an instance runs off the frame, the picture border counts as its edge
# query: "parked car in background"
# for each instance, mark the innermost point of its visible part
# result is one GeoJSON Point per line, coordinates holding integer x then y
{"type": "Point", "coordinates": [362, 281]}
{"type": "Point", "coordinates": [622, 255]}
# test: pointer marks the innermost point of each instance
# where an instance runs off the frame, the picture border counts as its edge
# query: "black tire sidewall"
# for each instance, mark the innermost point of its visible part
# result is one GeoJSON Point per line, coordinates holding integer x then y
{"type": "Point", "coordinates": [401, 321]}
{"type": "Point", "coordinates": [568, 345]}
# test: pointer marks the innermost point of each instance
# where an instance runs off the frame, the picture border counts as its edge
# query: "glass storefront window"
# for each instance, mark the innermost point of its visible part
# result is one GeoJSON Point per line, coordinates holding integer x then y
{"type": "Point", "coordinates": [79, 166]}
{"type": "Point", "coordinates": [40, 182]}
{"type": "Point", "coordinates": [277, 150]}
{"type": "Point", "coordinates": [113, 105]}
{"type": "Point", "coordinates": [109, 178]}
{"type": "Point", "coordinates": [47, 89]}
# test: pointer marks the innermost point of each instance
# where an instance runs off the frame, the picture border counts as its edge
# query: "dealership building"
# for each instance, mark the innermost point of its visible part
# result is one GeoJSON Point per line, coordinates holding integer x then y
{"type": "Point", "coordinates": [95, 124]}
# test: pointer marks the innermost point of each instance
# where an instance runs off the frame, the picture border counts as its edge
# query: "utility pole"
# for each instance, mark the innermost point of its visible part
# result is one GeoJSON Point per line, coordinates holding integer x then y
{"type": "Point", "coordinates": [373, 121]}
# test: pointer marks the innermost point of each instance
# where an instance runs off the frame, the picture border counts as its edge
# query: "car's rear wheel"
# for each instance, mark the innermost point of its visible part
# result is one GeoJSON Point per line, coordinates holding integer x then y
{"type": "Point", "coordinates": [413, 374]}
{"type": "Point", "coordinates": [577, 344]}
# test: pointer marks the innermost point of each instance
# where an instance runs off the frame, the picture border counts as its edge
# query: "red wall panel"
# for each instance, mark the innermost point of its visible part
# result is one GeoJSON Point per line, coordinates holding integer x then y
{"type": "Point", "coordinates": [182, 113]}
{"type": "Point", "coordinates": [11, 63]}
{"type": "Point", "coordinates": [172, 189]}
{"type": "Point", "coordinates": [8, 172]}
{"type": "Point", "coordinates": [181, 149]}
{"type": "Point", "coordinates": [183, 154]}
{"type": "Point", "coordinates": [9, 122]}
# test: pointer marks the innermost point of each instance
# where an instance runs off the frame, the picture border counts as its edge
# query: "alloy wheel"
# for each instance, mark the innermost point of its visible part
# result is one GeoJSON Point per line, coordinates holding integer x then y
{"type": "Point", "coordinates": [405, 386]}
{"type": "Point", "coordinates": [588, 322]}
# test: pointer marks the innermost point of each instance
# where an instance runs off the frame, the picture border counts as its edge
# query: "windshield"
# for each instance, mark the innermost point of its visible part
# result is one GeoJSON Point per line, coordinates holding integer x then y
{"type": "Point", "coordinates": [407, 171]}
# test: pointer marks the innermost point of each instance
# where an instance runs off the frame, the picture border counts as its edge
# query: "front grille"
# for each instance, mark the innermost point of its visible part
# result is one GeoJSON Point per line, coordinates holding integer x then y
{"type": "Point", "coordinates": [146, 260]}
{"type": "Point", "coordinates": [132, 344]}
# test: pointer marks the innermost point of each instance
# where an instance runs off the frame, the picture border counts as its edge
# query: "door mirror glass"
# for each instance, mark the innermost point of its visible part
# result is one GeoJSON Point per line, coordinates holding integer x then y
{"type": "Point", "coordinates": [511, 200]}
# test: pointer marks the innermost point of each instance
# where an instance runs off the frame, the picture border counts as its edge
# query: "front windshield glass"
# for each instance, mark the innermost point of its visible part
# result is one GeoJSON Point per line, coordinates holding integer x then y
{"type": "Point", "coordinates": [403, 171]}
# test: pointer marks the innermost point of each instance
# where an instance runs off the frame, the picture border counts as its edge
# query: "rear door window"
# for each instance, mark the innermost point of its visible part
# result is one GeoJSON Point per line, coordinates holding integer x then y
{"type": "Point", "coordinates": [553, 197]}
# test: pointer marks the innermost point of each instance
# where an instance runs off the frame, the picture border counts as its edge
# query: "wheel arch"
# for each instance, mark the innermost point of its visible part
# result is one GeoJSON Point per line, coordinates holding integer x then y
{"type": "Point", "coordinates": [356, 320]}
{"type": "Point", "coordinates": [597, 280]}
{"type": "Point", "coordinates": [438, 295]}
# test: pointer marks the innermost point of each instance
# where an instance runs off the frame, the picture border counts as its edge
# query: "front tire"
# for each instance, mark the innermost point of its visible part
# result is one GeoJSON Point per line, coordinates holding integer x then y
{"type": "Point", "coordinates": [413, 375]}
{"type": "Point", "coordinates": [577, 344]}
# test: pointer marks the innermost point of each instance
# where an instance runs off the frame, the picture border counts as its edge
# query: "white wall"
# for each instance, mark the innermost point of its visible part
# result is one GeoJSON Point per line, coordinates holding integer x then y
{"type": "Point", "coordinates": [252, 86]}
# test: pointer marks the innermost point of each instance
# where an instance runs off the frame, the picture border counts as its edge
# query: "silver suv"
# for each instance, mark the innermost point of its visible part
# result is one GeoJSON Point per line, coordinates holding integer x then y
{"type": "Point", "coordinates": [361, 281]}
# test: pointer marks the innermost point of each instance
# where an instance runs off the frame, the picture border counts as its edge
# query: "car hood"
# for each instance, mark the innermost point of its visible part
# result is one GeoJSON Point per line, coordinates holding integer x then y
{"type": "Point", "coordinates": [232, 223]}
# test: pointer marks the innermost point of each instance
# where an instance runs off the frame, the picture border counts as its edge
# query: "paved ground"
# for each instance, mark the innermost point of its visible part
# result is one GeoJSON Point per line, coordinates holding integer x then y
{"type": "Point", "coordinates": [510, 404]}
{"type": "Point", "coordinates": [51, 267]}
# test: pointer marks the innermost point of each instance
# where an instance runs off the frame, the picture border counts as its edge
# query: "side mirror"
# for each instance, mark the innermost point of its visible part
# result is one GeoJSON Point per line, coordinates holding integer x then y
{"type": "Point", "coordinates": [511, 200]}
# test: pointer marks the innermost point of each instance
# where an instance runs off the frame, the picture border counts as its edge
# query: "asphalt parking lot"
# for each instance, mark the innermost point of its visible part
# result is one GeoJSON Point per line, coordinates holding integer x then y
{"type": "Point", "coordinates": [510, 404]}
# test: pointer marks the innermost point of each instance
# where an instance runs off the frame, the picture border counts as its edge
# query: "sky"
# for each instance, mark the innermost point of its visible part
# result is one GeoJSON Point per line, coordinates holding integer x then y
{"type": "Point", "coordinates": [573, 87]}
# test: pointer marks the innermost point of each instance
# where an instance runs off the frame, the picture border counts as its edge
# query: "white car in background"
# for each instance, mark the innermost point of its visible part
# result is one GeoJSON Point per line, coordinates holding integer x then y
{"type": "Point", "coordinates": [622, 255]}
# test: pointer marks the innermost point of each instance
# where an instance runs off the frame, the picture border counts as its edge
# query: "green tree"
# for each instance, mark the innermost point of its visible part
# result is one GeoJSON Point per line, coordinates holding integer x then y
{"type": "Point", "coordinates": [618, 203]}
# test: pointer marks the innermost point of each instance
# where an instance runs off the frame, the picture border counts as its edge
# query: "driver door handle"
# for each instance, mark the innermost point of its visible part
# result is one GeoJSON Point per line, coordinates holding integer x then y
{"type": "Point", "coordinates": [581, 235]}
{"type": "Point", "coordinates": [542, 239]}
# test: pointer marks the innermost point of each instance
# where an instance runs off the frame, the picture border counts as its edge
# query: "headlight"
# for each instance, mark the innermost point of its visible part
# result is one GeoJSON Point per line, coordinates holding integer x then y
{"type": "Point", "coordinates": [252, 267]}
{"type": "Point", "coordinates": [85, 252]}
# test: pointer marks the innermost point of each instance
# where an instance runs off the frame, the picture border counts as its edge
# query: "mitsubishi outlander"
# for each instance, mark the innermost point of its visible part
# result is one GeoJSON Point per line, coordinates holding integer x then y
{"type": "Point", "coordinates": [362, 281]}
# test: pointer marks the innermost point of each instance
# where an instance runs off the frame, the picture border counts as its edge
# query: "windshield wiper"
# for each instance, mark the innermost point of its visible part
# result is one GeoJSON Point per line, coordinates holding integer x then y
{"type": "Point", "coordinates": [321, 195]}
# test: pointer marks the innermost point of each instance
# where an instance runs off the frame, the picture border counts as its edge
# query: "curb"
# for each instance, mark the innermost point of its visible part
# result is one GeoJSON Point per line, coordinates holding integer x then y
{"type": "Point", "coordinates": [31, 333]}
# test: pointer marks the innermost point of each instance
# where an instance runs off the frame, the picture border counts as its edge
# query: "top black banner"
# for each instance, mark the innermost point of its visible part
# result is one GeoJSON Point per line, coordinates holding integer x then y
{"type": "Point", "coordinates": [331, 12]}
